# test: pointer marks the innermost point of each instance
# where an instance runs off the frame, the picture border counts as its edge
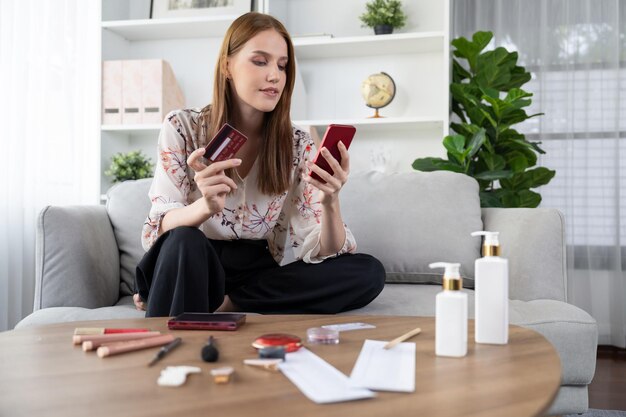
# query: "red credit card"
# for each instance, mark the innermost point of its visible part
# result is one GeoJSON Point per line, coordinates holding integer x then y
{"type": "Point", "coordinates": [225, 144]}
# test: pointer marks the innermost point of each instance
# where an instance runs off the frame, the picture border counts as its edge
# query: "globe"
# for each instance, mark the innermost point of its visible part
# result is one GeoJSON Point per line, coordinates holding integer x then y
{"type": "Point", "coordinates": [378, 90]}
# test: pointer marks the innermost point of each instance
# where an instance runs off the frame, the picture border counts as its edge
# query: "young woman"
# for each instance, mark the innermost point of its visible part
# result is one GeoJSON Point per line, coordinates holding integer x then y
{"type": "Point", "coordinates": [217, 232]}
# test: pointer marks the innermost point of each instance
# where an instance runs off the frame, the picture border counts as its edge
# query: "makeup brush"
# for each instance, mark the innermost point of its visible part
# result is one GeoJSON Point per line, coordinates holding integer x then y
{"type": "Point", "coordinates": [209, 351]}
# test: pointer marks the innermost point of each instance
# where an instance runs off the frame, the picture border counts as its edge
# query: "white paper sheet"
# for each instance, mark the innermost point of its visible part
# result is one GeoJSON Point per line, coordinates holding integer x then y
{"type": "Point", "coordinates": [385, 369]}
{"type": "Point", "coordinates": [344, 327]}
{"type": "Point", "coordinates": [319, 380]}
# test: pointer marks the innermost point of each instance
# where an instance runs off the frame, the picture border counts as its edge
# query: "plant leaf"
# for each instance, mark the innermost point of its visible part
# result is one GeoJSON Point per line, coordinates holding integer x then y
{"type": "Point", "coordinates": [508, 145]}
{"type": "Point", "coordinates": [485, 111]}
{"type": "Point", "coordinates": [492, 161]}
{"type": "Point", "coordinates": [493, 175]}
{"type": "Point", "coordinates": [531, 178]}
{"type": "Point", "coordinates": [528, 198]}
{"type": "Point", "coordinates": [495, 68]}
{"type": "Point", "coordinates": [436, 164]}
{"type": "Point", "coordinates": [458, 72]}
{"type": "Point", "coordinates": [518, 77]}
{"type": "Point", "coordinates": [489, 199]}
{"type": "Point", "coordinates": [481, 39]}
{"type": "Point", "coordinates": [495, 105]}
{"type": "Point", "coordinates": [466, 49]}
{"type": "Point", "coordinates": [515, 94]}
{"type": "Point", "coordinates": [517, 161]}
{"type": "Point", "coordinates": [509, 199]}
{"type": "Point", "coordinates": [476, 143]}
{"type": "Point", "coordinates": [470, 49]}
{"type": "Point", "coordinates": [541, 176]}
{"type": "Point", "coordinates": [455, 144]}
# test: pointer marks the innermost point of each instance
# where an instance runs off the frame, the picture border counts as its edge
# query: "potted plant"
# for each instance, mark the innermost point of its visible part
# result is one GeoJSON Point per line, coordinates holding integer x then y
{"type": "Point", "coordinates": [383, 16]}
{"type": "Point", "coordinates": [488, 100]}
{"type": "Point", "coordinates": [133, 165]}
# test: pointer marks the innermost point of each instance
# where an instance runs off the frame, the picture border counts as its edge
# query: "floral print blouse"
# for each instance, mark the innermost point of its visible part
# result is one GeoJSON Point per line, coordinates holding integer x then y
{"type": "Point", "coordinates": [292, 218]}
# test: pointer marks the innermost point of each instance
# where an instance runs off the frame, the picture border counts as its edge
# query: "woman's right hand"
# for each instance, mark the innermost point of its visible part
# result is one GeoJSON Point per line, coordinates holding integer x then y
{"type": "Point", "coordinates": [212, 180]}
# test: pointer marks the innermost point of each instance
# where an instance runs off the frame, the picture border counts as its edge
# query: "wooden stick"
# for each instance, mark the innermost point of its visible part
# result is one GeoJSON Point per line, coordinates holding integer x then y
{"type": "Point", "coordinates": [402, 338]}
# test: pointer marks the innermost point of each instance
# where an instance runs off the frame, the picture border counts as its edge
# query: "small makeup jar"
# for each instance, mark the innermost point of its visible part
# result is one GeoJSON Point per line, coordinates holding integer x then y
{"type": "Point", "coordinates": [322, 336]}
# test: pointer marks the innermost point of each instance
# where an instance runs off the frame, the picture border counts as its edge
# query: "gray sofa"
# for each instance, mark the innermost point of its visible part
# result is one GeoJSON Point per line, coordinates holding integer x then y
{"type": "Point", "coordinates": [86, 256]}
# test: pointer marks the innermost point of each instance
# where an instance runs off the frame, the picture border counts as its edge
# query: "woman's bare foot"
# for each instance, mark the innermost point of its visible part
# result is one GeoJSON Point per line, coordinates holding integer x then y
{"type": "Point", "coordinates": [227, 306]}
{"type": "Point", "coordinates": [139, 305]}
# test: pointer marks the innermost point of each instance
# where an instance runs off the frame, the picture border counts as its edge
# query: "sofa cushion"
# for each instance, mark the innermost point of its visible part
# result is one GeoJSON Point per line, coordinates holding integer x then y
{"type": "Point", "coordinates": [128, 205]}
{"type": "Point", "coordinates": [408, 220]}
{"type": "Point", "coordinates": [72, 268]}
{"type": "Point", "coordinates": [53, 315]}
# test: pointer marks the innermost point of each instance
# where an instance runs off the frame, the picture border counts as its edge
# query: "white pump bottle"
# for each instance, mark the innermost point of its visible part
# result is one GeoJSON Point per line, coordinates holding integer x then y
{"type": "Point", "coordinates": [451, 313]}
{"type": "Point", "coordinates": [491, 309]}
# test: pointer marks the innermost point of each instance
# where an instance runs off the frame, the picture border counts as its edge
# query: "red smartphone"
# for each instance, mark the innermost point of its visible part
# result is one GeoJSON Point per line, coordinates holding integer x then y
{"type": "Point", "coordinates": [207, 321]}
{"type": "Point", "coordinates": [224, 144]}
{"type": "Point", "coordinates": [334, 134]}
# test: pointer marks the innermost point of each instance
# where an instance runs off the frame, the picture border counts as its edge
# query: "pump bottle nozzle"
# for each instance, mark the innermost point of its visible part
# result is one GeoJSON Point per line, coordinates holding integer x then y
{"type": "Point", "coordinates": [491, 245]}
{"type": "Point", "coordinates": [451, 276]}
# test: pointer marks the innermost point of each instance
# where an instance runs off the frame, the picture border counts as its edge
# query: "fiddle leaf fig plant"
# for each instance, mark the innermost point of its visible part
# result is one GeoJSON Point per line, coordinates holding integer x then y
{"type": "Point", "coordinates": [488, 100]}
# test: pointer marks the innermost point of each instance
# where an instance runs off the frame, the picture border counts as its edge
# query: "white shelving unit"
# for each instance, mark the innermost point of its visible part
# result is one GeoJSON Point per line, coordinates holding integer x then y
{"type": "Point", "coordinates": [330, 72]}
{"type": "Point", "coordinates": [177, 28]}
{"type": "Point", "coordinates": [335, 54]}
{"type": "Point", "coordinates": [190, 45]}
{"type": "Point", "coordinates": [355, 46]}
{"type": "Point", "coordinates": [376, 125]}
{"type": "Point", "coordinates": [129, 129]}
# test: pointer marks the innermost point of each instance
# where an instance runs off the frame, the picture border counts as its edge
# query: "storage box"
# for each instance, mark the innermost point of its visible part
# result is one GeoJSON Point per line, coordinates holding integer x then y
{"type": "Point", "coordinates": [138, 91]}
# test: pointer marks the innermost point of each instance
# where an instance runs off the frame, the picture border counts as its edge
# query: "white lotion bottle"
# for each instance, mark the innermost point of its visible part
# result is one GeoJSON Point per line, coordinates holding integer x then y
{"type": "Point", "coordinates": [451, 313]}
{"type": "Point", "coordinates": [491, 293]}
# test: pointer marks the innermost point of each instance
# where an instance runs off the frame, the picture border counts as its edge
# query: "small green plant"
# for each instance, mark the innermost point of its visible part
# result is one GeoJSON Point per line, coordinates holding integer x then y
{"type": "Point", "coordinates": [383, 12]}
{"type": "Point", "coordinates": [133, 165]}
{"type": "Point", "coordinates": [488, 100]}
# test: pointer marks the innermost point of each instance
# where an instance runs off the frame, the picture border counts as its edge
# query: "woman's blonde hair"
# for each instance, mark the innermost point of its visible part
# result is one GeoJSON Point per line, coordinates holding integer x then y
{"type": "Point", "coordinates": [276, 151]}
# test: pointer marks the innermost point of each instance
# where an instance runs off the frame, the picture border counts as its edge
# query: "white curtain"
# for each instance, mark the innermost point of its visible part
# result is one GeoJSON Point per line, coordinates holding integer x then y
{"type": "Point", "coordinates": [49, 128]}
{"type": "Point", "coordinates": [576, 52]}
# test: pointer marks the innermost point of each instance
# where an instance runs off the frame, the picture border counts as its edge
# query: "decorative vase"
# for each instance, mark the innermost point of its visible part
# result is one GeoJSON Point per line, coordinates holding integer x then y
{"type": "Point", "coordinates": [383, 29]}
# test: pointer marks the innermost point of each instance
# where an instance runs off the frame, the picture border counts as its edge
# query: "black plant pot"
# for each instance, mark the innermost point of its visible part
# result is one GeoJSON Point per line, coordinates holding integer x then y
{"type": "Point", "coordinates": [383, 29]}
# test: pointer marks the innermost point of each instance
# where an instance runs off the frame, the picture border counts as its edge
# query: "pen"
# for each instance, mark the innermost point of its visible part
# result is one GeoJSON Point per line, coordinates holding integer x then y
{"type": "Point", "coordinates": [165, 350]}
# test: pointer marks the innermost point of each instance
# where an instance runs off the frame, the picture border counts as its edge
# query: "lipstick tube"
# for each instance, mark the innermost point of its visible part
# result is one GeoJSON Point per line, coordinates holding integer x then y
{"type": "Point", "coordinates": [132, 345]}
{"type": "Point", "coordinates": [94, 343]}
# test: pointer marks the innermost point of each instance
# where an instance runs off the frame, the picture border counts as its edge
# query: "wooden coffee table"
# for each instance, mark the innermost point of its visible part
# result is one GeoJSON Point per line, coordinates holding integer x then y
{"type": "Point", "coordinates": [43, 374]}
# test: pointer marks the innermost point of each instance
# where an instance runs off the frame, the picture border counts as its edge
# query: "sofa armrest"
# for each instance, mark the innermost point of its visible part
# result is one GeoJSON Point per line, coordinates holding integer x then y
{"type": "Point", "coordinates": [533, 241]}
{"type": "Point", "coordinates": [76, 258]}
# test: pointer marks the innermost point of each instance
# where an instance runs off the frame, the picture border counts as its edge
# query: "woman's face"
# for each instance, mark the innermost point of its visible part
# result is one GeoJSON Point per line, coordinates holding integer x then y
{"type": "Point", "coordinates": [257, 71]}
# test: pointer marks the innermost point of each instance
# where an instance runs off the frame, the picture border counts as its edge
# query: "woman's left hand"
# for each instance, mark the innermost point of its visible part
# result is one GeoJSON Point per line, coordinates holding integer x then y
{"type": "Point", "coordinates": [329, 191]}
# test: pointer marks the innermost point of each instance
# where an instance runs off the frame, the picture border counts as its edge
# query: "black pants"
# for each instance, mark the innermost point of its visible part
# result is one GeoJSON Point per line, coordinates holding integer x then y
{"type": "Point", "coordinates": [186, 272]}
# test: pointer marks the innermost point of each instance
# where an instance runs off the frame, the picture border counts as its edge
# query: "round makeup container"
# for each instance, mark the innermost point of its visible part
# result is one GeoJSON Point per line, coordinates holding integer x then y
{"type": "Point", "coordinates": [290, 342]}
{"type": "Point", "coordinates": [322, 336]}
